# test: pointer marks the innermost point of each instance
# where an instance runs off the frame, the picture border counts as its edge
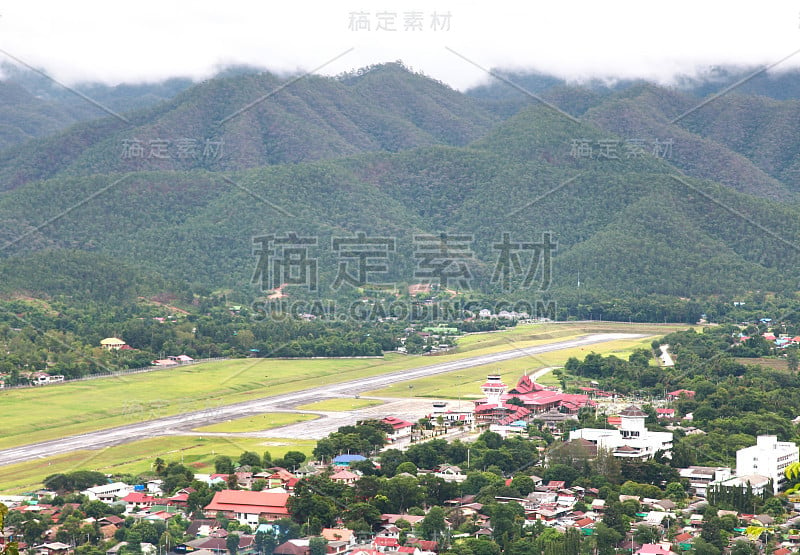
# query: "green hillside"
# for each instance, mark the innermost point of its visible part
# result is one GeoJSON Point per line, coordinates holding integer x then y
{"type": "Point", "coordinates": [252, 120]}
{"type": "Point", "coordinates": [394, 154]}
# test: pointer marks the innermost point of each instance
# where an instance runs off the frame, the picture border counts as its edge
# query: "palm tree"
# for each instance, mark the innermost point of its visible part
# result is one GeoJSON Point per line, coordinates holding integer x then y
{"type": "Point", "coordinates": [159, 466]}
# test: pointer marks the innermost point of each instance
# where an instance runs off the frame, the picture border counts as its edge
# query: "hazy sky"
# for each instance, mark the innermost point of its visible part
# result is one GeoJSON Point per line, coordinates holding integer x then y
{"type": "Point", "coordinates": [152, 39]}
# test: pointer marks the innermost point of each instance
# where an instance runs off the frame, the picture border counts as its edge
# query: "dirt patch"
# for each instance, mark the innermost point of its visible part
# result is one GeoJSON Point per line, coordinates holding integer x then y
{"type": "Point", "coordinates": [419, 288]}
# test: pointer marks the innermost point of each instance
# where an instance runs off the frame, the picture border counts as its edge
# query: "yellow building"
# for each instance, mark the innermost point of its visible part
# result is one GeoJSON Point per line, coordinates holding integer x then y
{"type": "Point", "coordinates": [112, 343]}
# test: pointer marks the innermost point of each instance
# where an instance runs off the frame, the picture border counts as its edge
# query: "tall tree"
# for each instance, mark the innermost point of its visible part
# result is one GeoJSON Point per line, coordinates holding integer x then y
{"type": "Point", "coordinates": [317, 546]}
{"type": "Point", "coordinates": [433, 526]}
{"type": "Point", "coordinates": [232, 543]}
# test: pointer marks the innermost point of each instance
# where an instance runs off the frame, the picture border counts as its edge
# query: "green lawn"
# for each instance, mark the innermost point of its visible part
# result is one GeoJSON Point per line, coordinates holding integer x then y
{"type": "Point", "coordinates": [258, 422]}
{"type": "Point", "coordinates": [38, 414]}
{"type": "Point", "coordinates": [341, 404]}
{"type": "Point", "coordinates": [137, 457]}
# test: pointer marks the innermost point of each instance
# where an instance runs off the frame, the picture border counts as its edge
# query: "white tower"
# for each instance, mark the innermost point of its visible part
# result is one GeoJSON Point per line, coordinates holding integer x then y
{"type": "Point", "coordinates": [494, 388]}
{"type": "Point", "coordinates": [632, 422]}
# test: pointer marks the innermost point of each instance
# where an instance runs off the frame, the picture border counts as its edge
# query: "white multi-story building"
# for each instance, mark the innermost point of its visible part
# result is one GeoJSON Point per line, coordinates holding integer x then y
{"type": "Point", "coordinates": [108, 493]}
{"type": "Point", "coordinates": [768, 457]}
{"type": "Point", "coordinates": [631, 440]}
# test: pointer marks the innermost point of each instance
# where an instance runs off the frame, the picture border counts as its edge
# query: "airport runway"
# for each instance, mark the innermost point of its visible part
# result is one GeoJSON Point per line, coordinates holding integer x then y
{"type": "Point", "coordinates": [183, 422]}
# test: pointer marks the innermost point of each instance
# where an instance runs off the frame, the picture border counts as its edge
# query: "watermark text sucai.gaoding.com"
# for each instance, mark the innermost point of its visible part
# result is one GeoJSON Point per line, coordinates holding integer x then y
{"type": "Point", "coordinates": [403, 310]}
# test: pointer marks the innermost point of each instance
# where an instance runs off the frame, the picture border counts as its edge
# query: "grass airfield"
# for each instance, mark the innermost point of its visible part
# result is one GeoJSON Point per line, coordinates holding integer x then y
{"type": "Point", "coordinates": [78, 407]}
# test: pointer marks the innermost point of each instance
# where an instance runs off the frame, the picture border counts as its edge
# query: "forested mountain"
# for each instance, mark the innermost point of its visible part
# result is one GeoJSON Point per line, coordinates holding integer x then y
{"type": "Point", "coordinates": [253, 120]}
{"type": "Point", "coordinates": [638, 205]}
{"type": "Point", "coordinates": [777, 83]}
{"type": "Point", "coordinates": [23, 116]}
{"type": "Point", "coordinates": [33, 106]}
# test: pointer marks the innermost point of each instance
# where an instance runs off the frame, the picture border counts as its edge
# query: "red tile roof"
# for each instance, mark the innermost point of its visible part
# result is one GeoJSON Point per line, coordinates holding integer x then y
{"type": "Point", "coordinates": [426, 545]}
{"type": "Point", "coordinates": [527, 385]}
{"type": "Point", "coordinates": [678, 392]}
{"type": "Point", "coordinates": [250, 502]}
{"type": "Point", "coordinates": [396, 423]}
{"type": "Point", "coordinates": [138, 497]}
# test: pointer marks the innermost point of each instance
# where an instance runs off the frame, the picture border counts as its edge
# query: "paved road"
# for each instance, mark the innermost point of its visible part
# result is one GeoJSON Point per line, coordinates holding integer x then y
{"type": "Point", "coordinates": [189, 420]}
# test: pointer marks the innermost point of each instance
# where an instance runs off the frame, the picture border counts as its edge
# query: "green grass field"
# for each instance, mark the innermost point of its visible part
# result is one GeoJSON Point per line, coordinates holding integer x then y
{"type": "Point", "coordinates": [137, 457]}
{"type": "Point", "coordinates": [344, 404]}
{"type": "Point", "coordinates": [38, 414]}
{"type": "Point", "coordinates": [80, 407]}
{"type": "Point", "coordinates": [257, 422]}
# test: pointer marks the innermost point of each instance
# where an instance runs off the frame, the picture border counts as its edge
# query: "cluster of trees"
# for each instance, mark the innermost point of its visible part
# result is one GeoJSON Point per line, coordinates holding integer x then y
{"type": "Point", "coordinates": [62, 336]}
{"type": "Point", "coordinates": [250, 461]}
{"type": "Point", "coordinates": [364, 438]}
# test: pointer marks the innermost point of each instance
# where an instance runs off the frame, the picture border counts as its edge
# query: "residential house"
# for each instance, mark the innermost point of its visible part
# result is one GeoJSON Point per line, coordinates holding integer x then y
{"type": "Point", "coordinates": [244, 479]}
{"type": "Point", "coordinates": [345, 477]}
{"type": "Point", "coordinates": [383, 543]}
{"type": "Point", "coordinates": [216, 545]}
{"type": "Point", "coordinates": [112, 343]}
{"type": "Point", "coordinates": [425, 545]}
{"type": "Point", "coordinates": [450, 473]}
{"type": "Point", "coordinates": [470, 509]}
{"type": "Point", "coordinates": [339, 535]}
{"type": "Point", "coordinates": [678, 393]}
{"type": "Point", "coordinates": [598, 505]}
{"type": "Point", "coordinates": [299, 546]}
{"type": "Point", "coordinates": [113, 520]}
{"type": "Point", "coordinates": [391, 518]}
{"type": "Point", "coordinates": [147, 548]}
{"type": "Point", "coordinates": [279, 477]}
{"type": "Point", "coordinates": [154, 486]}
{"type": "Point", "coordinates": [401, 429]}
{"type": "Point", "coordinates": [664, 413]}
{"type": "Point", "coordinates": [164, 362]}
{"type": "Point", "coordinates": [682, 541]}
{"type": "Point", "coordinates": [306, 470]}
{"type": "Point", "coordinates": [202, 527]}
{"type": "Point", "coordinates": [180, 499]}
{"type": "Point", "coordinates": [337, 547]}
{"type": "Point", "coordinates": [52, 548]}
{"type": "Point", "coordinates": [655, 549]}
{"type": "Point", "coordinates": [136, 501]}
